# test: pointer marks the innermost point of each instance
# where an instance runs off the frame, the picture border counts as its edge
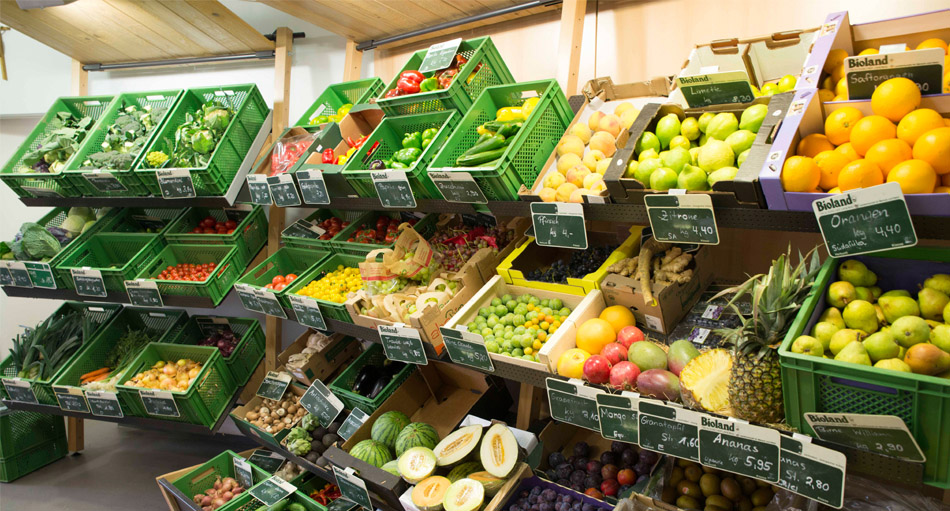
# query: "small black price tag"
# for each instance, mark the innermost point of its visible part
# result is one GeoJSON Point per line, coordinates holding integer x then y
{"type": "Point", "coordinates": [884, 434]}
{"type": "Point", "coordinates": [323, 404]}
{"type": "Point", "coordinates": [618, 416]}
{"type": "Point", "coordinates": [272, 490]}
{"type": "Point", "coordinates": [248, 298]}
{"type": "Point", "coordinates": [258, 189]}
{"type": "Point", "coordinates": [71, 399]}
{"type": "Point", "coordinates": [669, 429]}
{"type": "Point", "coordinates": [104, 403]}
{"type": "Point", "coordinates": [458, 187]}
{"type": "Point", "coordinates": [440, 55]}
{"type": "Point", "coordinates": [104, 181]}
{"type": "Point", "coordinates": [393, 189]}
{"type": "Point", "coordinates": [89, 282]}
{"type": "Point", "coordinates": [19, 390]}
{"type": "Point", "coordinates": [274, 385]}
{"type": "Point", "coordinates": [303, 229]}
{"type": "Point", "coordinates": [574, 403]}
{"type": "Point", "coordinates": [159, 402]}
{"type": "Point", "coordinates": [863, 73]}
{"type": "Point", "coordinates": [865, 220]}
{"type": "Point", "coordinates": [682, 218]}
{"type": "Point", "coordinates": [175, 183]}
{"type": "Point", "coordinates": [715, 88]}
{"type": "Point", "coordinates": [402, 344]}
{"type": "Point", "coordinates": [269, 303]}
{"type": "Point", "coordinates": [352, 487]}
{"type": "Point", "coordinates": [467, 349]}
{"type": "Point", "coordinates": [242, 472]}
{"type": "Point", "coordinates": [313, 187]}
{"type": "Point", "coordinates": [559, 224]}
{"type": "Point", "coordinates": [739, 447]}
{"type": "Point", "coordinates": [283, 191]}
{"type": "Point", "coordinates": [41, 275]}
{"type": "Point", "coordinates": [6, 279]}
{"type": "Point", "coordinates": [143, 293]}
{"type": "Point", "coordinates": [267, 461]}
{"type": "Point", "coordinates": [308, 311]}
{"type": "Point", "coordinates": [812, 471]}
{"type": "Point", "coordinates": [352, 423]}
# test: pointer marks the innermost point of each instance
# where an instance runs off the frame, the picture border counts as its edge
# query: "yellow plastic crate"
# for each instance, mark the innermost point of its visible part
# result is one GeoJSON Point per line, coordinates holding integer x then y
{"type": "Point", "coordinates": [574, 286]}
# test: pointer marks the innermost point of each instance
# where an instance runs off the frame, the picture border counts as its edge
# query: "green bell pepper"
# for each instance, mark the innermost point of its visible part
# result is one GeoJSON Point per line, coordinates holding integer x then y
{"type": "Point", "coordinates": [429, 84]}
{"type": "Point", "coordinates": [413, 139]}
{"type": "Point", "coordinates": [407, 156]}
{"type": "Point", "coordinates": [426, 142]}
{"type": "Point", "coordinates": [399, 165]}
{"type": "Point", "coordinates": [430, 133]}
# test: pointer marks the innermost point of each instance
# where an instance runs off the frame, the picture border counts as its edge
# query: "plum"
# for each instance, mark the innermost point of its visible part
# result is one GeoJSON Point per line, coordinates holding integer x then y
{"type": "Point", "coordinates": [564, 470]}
{"type": "Point", "coordinates": [609, 472]}
{"type": "Point", "coordinates": [659, 383]}
{"type": "Point", "coordinates": [593, 467]}
{"type": "Point", "coordinates": [580, 463]}
{"type": "Point", "coordinates": [581, 450]}
{"type": "Point", "coordinates": [650, 456]}
{"type": "Point", "coordinates": [629, 457]}
{"type": "Point", "coordinates": [608, 458]}
{"type": "Point", "coordinates": [593, 481]}
{"type": "Point", "coordinates": [555, 459]}
{"type": "Point", "coordinates": [617, 446]}
{"type": "Point", "coordinates": [577, 478]}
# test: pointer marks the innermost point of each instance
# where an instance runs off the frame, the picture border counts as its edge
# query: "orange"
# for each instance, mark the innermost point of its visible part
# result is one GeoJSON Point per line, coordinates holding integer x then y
{"type": "Point", "coordinates": [869, 51]}
{"type": "Point", "coordinates": [830, 163]}
{"type": "Point", "coordinates": [933, 43]}
{"type": "Point", "coordinates": [871, 130]}
{"type": "Point", "coordinates": [837, 74]}
{"type": "Point", "coordinates": [848, 150]}
{"type": "Point", "coordinates": [888, 153]}
{"type": "Point", "coordinates": [825, 95]}
{"type": "Point", "coordinates": [942, 189]}
{"type": "Point", "coordinates": [618, 316]}
{"type": "Point", "coordinates": [859, 174]}
{"type": "Point", "coordinates": [835, 58]}
{"type": "Point", "coordinates": [918, 122]}
{"type": "Point", "coordinates": [841, 89]}
{"type": "Point", "coordinates": [933, 147]}
{"type": "Point", "coordinates": [841, 98]}
{"type": "Point", "coordinates": [839, 123]}
{"type": "Point", "coordinates": [800, 174]}
{"type": "Point", "coordinates": [895, 98]}
{"type": "Point", "coordinates": [914, 176]}
{"type": "Point", "coordinates": [594, 334]}
{"type": "Point", "coordinates": [814, 144]}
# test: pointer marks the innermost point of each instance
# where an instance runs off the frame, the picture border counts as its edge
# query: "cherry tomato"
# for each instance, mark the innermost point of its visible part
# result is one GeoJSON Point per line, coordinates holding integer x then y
{"type": "Point", "coordinates": [279, 287]}
{"type": "Point", "coordinates": [230, 224]}
{"type": "Point", "coordinates": [279, 279]}
{"type": "Point", "coordinates": [290, 277]}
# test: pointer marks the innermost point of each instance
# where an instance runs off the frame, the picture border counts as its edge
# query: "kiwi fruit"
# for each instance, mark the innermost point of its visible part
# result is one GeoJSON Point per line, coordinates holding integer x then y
{"type": "Point", "coordinates": [744, 504]}
{"type": "Point", "coordinates": [709, 484]}
{"type": "Point", "coordinates": [680, 462]}
{"type": "Point", "coordinates": [669, 494]}
{"type": "Point", "coordinates": [716, 508]}
{"type": "Point", "coordinates": [719, 501]}
{"type": "Point", "coordinates": [710, 470]}
{"type": "Point", "coordinates": [762, 496]}
{"type": "Point", "coordinates": [747, 483]}
{"type": "Point", "coordinates": [687, 502]}
{"type": "Point", "coordinates": [693, 473]}
{"type": "Point", "coordinates": [676, 476]}
{"type": "Point", "coordinates": [690, 489]}
{"type": "Point", "coordinates": [730, 489]}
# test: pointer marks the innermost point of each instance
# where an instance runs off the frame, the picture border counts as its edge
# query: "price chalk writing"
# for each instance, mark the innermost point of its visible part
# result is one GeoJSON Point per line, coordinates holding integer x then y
{"type": "Point", "coordinates": [458, 187]}
{"type": "Point", "coordinates": [393, 189]}
{"type": "Point", "coordinates": [739, 447]}
{"type": "Point", "coordinates": [259, 190]}
{"type": "Point", "coordinates": [865, 220]}
{"type": "Point", "coordinates": [19, 390]}
{"type": "Point", "coordinates": [573, 403]}
{"type": "Point", "coordinates": [352, 487]}
{"type": "Point", "coordinates": [248, 297]}
{"type": "Point", "coordinates": [322, 403]}
{"type": "Point", "coordinates": [352, 423]}
{"type": "Point", "coordinates": [159, 402]}
{"type": "Point", "coordinates": [618, 416]}
{"type": "Point", "coordinates": [272, 490]}
{"type": "Point", "coordinates": [89, 282]}
{"type": "Point", "coordinates": [467, 349]}
{"type": "Point", "coordinates": [715, 88]}
{"type": "Point", "coordinates": [812, 471]}
{"type": "Point", "coordinates": [143, 293]}
{"type": "Point", "coordinates": [104, 181]}
{"type": "Point", "coordinates": [104, 403]}
{"type": "Point", "coordinates": [308, 311]}
{"type": "Point", "coordinates": [313, 188]}
{"type": "Point", "coordinates": [559, 224]}
{"type": "Point", "coordinates": [402, 344]}
{"type": "Point", "coordinates": [682, 218]}
{"type": "Point", "coordinates": [267, 461]}
{"type": "Point", "coordinates": [71, 399]}
{"type": "Point", "coordinates": [863, 73]}
{"type": "Point", "coordinates": [440, 56]}
{"type": "Point", "coordinates": [273, 385]}
{"type": "Point", "coordinates": [41, 275]}
{"type": "Point", "coordinates": [669, 429]}
{"type": "Point", "coordinates": [242, 472]}
{"type": "Point", "coordinates": [884, 434]}
{"type": "Point", "coordinates": [175, 183]}
{"type": "Point", "coordinates": [269, 303]}
{"type": "Point", "coordinates": [283, 191]}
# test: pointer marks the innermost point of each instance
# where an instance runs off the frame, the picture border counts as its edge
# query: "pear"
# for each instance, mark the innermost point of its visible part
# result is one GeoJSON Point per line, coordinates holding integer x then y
{"type": "Point", "coordinates": [844, 337]}
{"type": "Point", "coordinates": [894, 364]}
{"type": "Point", "coordinates": [946, 314]}
{"type": "Point", "coordinates": [864, 293]}
{"type": "Point", "coordinates": [854, 353]}
{"type": "Point", "coordinates": [896, 292]}
{"type": "Point", "coordinates": [840, 293]}
{"type": "Point", "coordinates": [932, 303]}
{"type": "Point", "coordinates": [940, 282]}
{"type": "Point", "coordinates": [895, 307]}
{"type": "Point", "coordinates": [823, 330]}
{"type": "Point", "coordinates": [808, 345]}
{"type": "Point", "coordinates": [940, 337]}
{"type": "Point", "coordinates": [880, 314]}
{"type": "Point", "coordinates": [832, 315]}
{"type": "Point", "coordinates": [881, 345]}
{"type": "Point", "coordinates": [926, 358]}
{"type": "Point", "coordinates": [875, 292]}
{"type": "Point", "coordinates": [855, 272]}
{"type": "Point", "coordinates": [910, 330]}
{"type": "Point", "coordinates": [860, 315]}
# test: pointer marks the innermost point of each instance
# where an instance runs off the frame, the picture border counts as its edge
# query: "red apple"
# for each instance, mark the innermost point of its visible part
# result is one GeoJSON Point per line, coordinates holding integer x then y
{"type": "Point", "coordinates": [609, 486]}
{"type": "Point", "coordinates": [597, 369]}
{"type": "Point", "coordinates": [626, 476]}
{"type": "Point", "coordinates": [615, 352]}
{"type": "Point", "coordinates": [629, 335]}
{"type": "Point", "coordinates": [623, 376]}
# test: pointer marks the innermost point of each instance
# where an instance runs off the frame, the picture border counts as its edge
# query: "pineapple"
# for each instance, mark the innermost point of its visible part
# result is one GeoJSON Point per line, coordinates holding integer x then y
{"type": "Point", "coordinates": [705, 381]}
{"type": "Point", "coordinates": [755, 385]}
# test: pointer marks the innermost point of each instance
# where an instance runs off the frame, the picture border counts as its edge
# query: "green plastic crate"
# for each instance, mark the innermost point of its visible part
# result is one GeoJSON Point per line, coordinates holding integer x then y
{"type": "Point", "coordinates": [93, 144]}
{"type": "Point", "coordinates": [813, 384]}
{"type": "Point", "coordinates": [389, 135]}
{"type": "Point", "coordinates": [140, 220]}
{"type": "Point", "coordinates": [215, 287]}
{"type": "Point", "coordinates": [213, 179]}
{"type": "Point", "coordinates": [527, 152]}
{"type": "Point", "coordinates": [204, 476]}
{"type": "Point", "coordinates": [32, 459]}
{"type": "Point", "coordinates": [248, 353]}
{"type": "Point", "coordinates": [161, 324]}
{"type": "Point", "coordinates": [342, 384]}
{"type": "Point", "coordinates": [99, 313]}
{"type": "Point", "coordinates": [286, 260]}
{"type": "Point", "coordinates": [333, 97]}
{"type": "Point", "coordinates": [204, 401]}
{"type": "Point", "coordinates": [330, 310]}
{"type": "Point", "coordinates": [20, 177]}
{"type": "Point", "coordinates": [484, 68]}
{"type": "Point", "coordinates": [316, 217]}
{"type": "Point", "coordinates": [424, 226]}
{"type": "Point", "coordinates": [119, 256]}
{"type": "Point", "coordinates": [21, 431]}
{"type": "Point", "coordinates": [245, 502]}
{"type": "Point", "coordinates": [249, 236]}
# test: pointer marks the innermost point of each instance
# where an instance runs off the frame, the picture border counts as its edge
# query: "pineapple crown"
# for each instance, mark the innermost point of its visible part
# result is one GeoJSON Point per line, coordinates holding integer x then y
{"type": "Point", "coordinates": [775, 297]}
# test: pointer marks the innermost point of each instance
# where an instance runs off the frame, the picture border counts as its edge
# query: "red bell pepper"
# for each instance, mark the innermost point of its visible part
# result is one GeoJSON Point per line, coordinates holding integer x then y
{"type": "Point", "coordinates": [409, 81]}
{"type": "Point", "coordinates": [328, 156]}
{"type": "Point", "coordinates": [415, 76]}
{"type": "Point", "coordinates": [393, 93]}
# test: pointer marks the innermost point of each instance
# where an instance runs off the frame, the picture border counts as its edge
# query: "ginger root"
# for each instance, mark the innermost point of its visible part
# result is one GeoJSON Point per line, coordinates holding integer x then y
{"type": "Point", "coordinates": [624, 267]}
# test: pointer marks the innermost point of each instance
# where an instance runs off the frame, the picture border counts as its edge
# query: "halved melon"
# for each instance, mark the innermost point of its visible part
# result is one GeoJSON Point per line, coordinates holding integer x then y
{"type": "Point", "coordinates": [499, 451]}
{"type": "Point", "coordinates": [417, 464]}
{"type": "Point", "coordinates": [428, 494]}
{"type": "Point", "coordinates": [464, 495]}
{"type": "Point", "coordinates": [463, 470]}
{"type": "Point", "coordinates": [457, 445]}
{"type": "Point", "coordinates": [491, 483]}
{"type": "Point", "coordinates": [392, 467]}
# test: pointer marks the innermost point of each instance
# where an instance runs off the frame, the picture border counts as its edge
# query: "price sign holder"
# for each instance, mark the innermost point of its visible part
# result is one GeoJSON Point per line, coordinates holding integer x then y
{"type": "Point", "coordinates": [303, 229]}
{"type": "Point", "coordinates": [274, 385]}
{"type": "Point", "coordinates": [559, 224]}
{"type": "Point", "coordinates": [352, 487]}
{"type": "Point", "coordinates": [41, 275]}
{"type": "Point", "coordinates": [248, 298]}
{"type": "Point", "coordinates": [283, 191]}
{"type": "Point", "coordinates": [89, 282]}
{"type": "Point", "coordinates": [269, 304]}
{"type": "Point", "coordinates": [175, 183]}
{"type": "Point", "coordinates": [71, 399]}
{"type": "Point", "coordinates": [308, 311]}
{"type": "Point", "coordinates": [618, 416]}
{"type": "Point", "coordinates": [884, 434]}
{"type": "Point", "coordinates": [104, 403]}
{"type": "Point", "coordinates": [352, 423]}
{"type": "Point", "coordinates": [458, 187]}
{"type": "Point", "coordinates": [669, 429]}
{"type": "Point", "coordinates": [322, 403]}
{"type": "Point", "coordinates": [812, 471]}
{"type": "Point", "coordinates": [740, 447]}
{"type": "Point", "coordinates": [144, 293]}
{"type": "Point", "coordinates": [272, 490]}
{"type": "Point", "coordinates": [267, 461]}
{"type": "Point", "coordinates": [104, 181]}
{"type": "Point", "coordinates": [6, 279]}
{"type": "Point", "coordinates": [440, 55]}
{"type": "Point", "coordinates": [467, 349]}
{"type": "Point", "coordinates": [863, 73]}
{"type": "Point", "coordinates": [19, 275]}
{"type": "Point", "coordinates": [715, 88]}
{"type": "Point", "coordinates": [313, 187]}
{"type": "Point", "coordinates": [865, 220]}
{"type": "Point", "coordinates": [392, 187]}
{"type": "Point", "coordinates": [682, 218]}
{"type": "Point", "coordinates": [402, 344]}
{"type": "Point", "coordinates": [341, 504]}
{"type": "Point", "coordinates": [259, 190]}
{"type": "Point", "coordinates": [159, 402]}
{"type": "Point", "coordinates": [19, 390]}
{"type": "Point", "coordinates": [573, 402]}
{"type": "Point", "coordinates": [242, 472]}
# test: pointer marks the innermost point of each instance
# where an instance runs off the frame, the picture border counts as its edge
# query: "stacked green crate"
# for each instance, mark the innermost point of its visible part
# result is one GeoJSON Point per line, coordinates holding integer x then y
{"type": "Point", "coordinates": [215, 287]}
{"type": "Point", "coordinates": [287, 260]}
{"type": "Point", "coordinates": [248, 353]}
{"type": "Point", "coordinates": [335, 96]}
{"type": "Point", "coordinates": [329, 310]}
{"type": "Point", "coordinates": [249, 236]}
{"type": "Point", "coordinates": [300, 235]}
{"type": "Point", "coordinates": [342, 244]}
{"type": "Point", "coordinates": [117, 256]}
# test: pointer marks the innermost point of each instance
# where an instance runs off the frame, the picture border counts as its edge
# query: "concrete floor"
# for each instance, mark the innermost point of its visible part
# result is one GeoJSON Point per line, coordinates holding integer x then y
{"type": "Point", "coordinates": [119, 465]}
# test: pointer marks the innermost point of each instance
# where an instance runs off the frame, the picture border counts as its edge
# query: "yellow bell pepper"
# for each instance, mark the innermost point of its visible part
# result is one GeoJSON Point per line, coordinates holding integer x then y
{"type": "Point", "coordinates": [509, 113]}
{"type": "Point", "coordinates": [482, 130]}
{"type": "Point", "coordinates": [528, 107]}
{"type": "Point", "coordinates": [350, 151]}
{"type": "Point", "coordinates": [340, 160]}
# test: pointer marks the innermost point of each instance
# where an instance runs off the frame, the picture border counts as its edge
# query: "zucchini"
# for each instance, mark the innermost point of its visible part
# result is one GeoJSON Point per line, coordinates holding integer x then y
{"type": "Point", "coordinates": [493, 142]}
{"type": "Point", "coordinates": [510, 130]}
{"type": "Point", "coordinates": [477, 159]}
{"type": "Point", "coordinates": [481, 139]}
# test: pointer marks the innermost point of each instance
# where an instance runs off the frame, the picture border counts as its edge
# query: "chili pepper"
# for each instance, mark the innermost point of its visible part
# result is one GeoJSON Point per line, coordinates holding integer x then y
{"type": "Point", "coordinates": [429, 84]}
{"type": "Point", "coordinates": [413, 139]}
{"type": "Point", "coordinates": [328, 156]}
{"type": "Point", "coordinates": [413, 75]}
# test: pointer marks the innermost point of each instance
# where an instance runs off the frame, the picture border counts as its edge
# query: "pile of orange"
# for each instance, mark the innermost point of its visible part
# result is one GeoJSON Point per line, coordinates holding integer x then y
{"type": "Point", "coordinates": [900, 143]}
{"type": "Point", "coordinates": [835, 88]}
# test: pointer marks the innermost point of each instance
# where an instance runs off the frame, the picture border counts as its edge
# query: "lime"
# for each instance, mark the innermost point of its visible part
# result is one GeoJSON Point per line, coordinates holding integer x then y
{"type": "Point", "coordinates": [663, 179]}
{"type": "Point", "coordinates": [689, 128]}
{"type": "Point", "coordinates": [769, 89]}
{"type": "Point", "coordinates": [507, 298]}
{"type": "Point", "coordinates": [484, 312]}
{"type": "Point", "coordinates": [492, 346]}
{"type": "Point", "coordinates": [723, 174]}
{"type": "Point", "coordinates": [740, 140]}
{"type": "Point", "coordinates": [649, 154]}
{"type": "Point", "coordinates": [631, 169]}
{"type": "Point", "coordinates": [715, 155]}
{"type": "Point", "coordinates": [645, 169]}
{"type": "Point", "coordinates": [495, 302]}
{"type": "Point", "coordinates": [501, 310]}
{"type": "Point", "coordinates": [667, 128]}
{"type": "Point", "coordinates": [752, 118]}
{"type": "Point", "coordinates": [692, 178]}
{"type": "Point", "coordinates": [787, 83]}
{"type": "Point", "coordinates": [556, 303]}
{"type": "Point", "coordinates": [722, 125]}
{"type": "Point", "coordinates": [675, 158]}
{"type": "Point", "coordinates": [703, 121]}
{"type": "Point", "coordinates": [679, 141]}
{"type": "Point", "coordinates": [648, 141]}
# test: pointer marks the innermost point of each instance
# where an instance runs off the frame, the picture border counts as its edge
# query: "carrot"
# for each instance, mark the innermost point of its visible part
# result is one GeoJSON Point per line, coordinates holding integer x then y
{"type": "Point", "coordinates": [98, 377]}
{"type": "Point", "coordinates": [97, 372]}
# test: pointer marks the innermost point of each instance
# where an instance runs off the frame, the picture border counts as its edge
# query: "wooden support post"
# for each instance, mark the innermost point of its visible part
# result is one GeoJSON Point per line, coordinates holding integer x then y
{"type": "Point", "coordinates": [75, 428]}
{"type": "Point", "coordinates": [282, 65]}
{"type": "Point", "coordinates": [569, 45]}
{"type": "Point", "coordinates": [80, 80]}
{"type": "Point", "coordinates": [353, 64]}
{"type": "Point", "coordinates": [529, 405]}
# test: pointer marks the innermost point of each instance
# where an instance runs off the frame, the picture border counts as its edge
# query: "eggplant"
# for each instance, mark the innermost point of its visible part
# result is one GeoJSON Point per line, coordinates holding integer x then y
{"type": "Point", "coordinates": [365, 379]}
{"type": "Point", "coordinates": [378, 387]}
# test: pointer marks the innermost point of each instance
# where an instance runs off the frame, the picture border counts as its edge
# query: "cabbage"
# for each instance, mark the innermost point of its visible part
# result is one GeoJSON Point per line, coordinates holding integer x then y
{"type": "Point", "coordinates": [37, 242]}
{"type": "Point", "coordinates": [101, 212]}
{"type": "Point", "coordinates": [81, 211]}
{"type": "Point", "coordinates": [73, 224]}
{"type": "Point", "coordinates": [87, 225]}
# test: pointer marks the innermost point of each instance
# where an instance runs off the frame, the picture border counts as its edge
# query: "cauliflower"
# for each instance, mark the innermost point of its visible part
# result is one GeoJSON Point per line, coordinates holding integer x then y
{"type": "Point", "coordinates": [156, 159]}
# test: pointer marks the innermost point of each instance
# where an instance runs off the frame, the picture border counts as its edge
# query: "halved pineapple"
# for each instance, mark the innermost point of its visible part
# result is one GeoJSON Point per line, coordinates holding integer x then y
{"type": "Point", "coordinates": [705, 381]}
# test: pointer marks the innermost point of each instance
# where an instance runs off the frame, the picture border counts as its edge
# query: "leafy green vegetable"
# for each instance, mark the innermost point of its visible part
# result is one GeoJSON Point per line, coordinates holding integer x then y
{"type": "Point", "coordinates": [64, 135]}
{"type": "Point", "coordinates": [298, 434]}
{"type": "Point", "coordinates": [39, 352]}
{"type": "Point", "coordinates": [125, 138]}
{"type": "Point", "coordinates": [126, 349]}
{"type": "Point", "coordinates": [309, 422]}
{"type": "Point", "coordinates": [195, 139]}
{"type": "Point", "coordinates": [37, 243]}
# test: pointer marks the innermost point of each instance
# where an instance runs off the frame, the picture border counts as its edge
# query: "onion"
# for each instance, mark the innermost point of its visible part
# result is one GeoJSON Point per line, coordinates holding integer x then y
{"type": "Point", "coordinates": [238, 490]}
{"type": "Point", "coordinates": [226, 486]}
{"type": "Point", "coordinates": [217, 484]}
{"type": "Point", "coordinates": [227, 495]}
{"type": "Point", "coordinates": [211, 491]}
{"type": "Point", "coordinates": [206, 501]}
{"type": "Point", "coordinates": [198, 498]}
{"type": "Point", "coordinates": [218, 502]}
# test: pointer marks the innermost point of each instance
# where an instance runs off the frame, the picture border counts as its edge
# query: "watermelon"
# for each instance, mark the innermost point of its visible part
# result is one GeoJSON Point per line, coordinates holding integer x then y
{"type": "Point", "coordinates": [417, 434]}
{"type": "Point", "coordinates": [372, 452]}
{"type": "Point", "coordinates": [463, 470]}
{"type": "Point", "coordinates": [387, 427]}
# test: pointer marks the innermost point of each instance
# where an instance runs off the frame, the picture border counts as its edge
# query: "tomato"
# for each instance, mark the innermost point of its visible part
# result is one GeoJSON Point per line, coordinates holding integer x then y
{"type": "Point", "coordinates": [208, 222]}
{"type": "Point", "coordinates": [196, 230]}
{"type": "Point", "coordinates": [230, 231]}
{"type": "Point", "coordinates": [279, 287]}
{"type": "Point", "coordinates": [268, 286]}
{"type": "Point", "coordinates": [230, 224]}
{"type": "Point", "coordinates": [290, 277]}
{"type": "Point", "coordinates": [279, 279]}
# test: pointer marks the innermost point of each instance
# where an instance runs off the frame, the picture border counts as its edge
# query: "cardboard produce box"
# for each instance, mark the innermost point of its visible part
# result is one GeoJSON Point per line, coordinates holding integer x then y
{"type": "Point", "coordinates": [742, 191]}
{"type": "Point", "coordinates": [673, 301]}
{"type": "Point", "coordinates": [325, 363]}
{"type": "Point", "coordinates": [239, 413]}
{"type": "Point", "coordinates": [601, 95]}
{"type": "Point", "coordinates": [322, 136]}
{"type": "Point", "coordinates": [485, 260]}
{"type": "Point", "coordinates": [806, 116]}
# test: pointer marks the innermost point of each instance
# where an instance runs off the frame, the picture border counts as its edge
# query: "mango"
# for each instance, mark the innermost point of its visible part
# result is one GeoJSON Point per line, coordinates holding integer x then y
{"type": "Point", "coordinates": [681, 352]}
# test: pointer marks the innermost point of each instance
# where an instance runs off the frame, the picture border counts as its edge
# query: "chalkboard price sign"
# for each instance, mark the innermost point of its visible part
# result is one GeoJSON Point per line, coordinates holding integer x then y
{"type": "Point", "coordinates": [559, 224]}
{"type": "Point", "coordinates": [71, 399]}
{"type": "Point", "coordinates": [458, 187]}
{"type": "Point", "coordinates": [274, 385]}
{"type": "Point", "coordinates": [865, 220]}
{"type": "Point", "coordinates": [41, 275]}
{"type": "Point", "coordinates": [352, 423]}
{"type": "Point", "coordinates": [669, 429]}
{"type": "Point", "coordinates": [303, 229]}
{"type": "Point", "coordinates": [393, 189]}
{"type": "Point", "coordinates": [863, 73]}
{"type": "Point", "coordinates": [307, 311]}
{"type": "Point", "coordinates": [272, 490]}
{"type": "Point", "coordinates": [322, 403]}
{"type": "Point", "coordinates": [402, 344]}
{"type": "Point", "coordinates": [258, 189]}
{"type": "Point", "coordinates": [467, 349]}
{"type": "Point", "coordinates": [18, 274]}
{"type": "Point", "coordinates": [573, 403]}
{"type": "Point", "coordinates": [269, 304]}
{"type": "Point", "coordinates": [715, 88]}
{"type": "Point", "coordinates": [242, 472]}
{"type": "Point", "coordinates": [283, 190]}
{"type": "Point", "coordinates": [267, 461]}
{"type": "Point", "coordinates": [352, 487]}
{"type": "Point", "coordinates": [812, 471]}
{"type": "Point", "coordinates": [104, 403]}
{"type": "Point", "coordinates": [739, 447]}
{"type": "Point", "coordinates": [143, 293]}
{"type": "Point", "coordinates": [248, 298]}
{"type": "Point", "coordinates": [89, 282]}
{"type": "Point", "coordinates": [313, 187]}
{"type": "Point", "coordinates": [5, 278]}
{"type": "Point", "coordinates": [618, 416]}
{"type": "Point", "coordinates": [439, 56]}
{"type": "Point", "coordinates": [884, 434]}
{"type": "Point", "coordinates": [19, 390]}
{"type": "Point", "coordinates": [158, 402]}
{"type": "Point", "coordinates": [104, 181]}
{"type": "Point", "coordinates": [682, 218]}
{"type": "Point", "coordinates": [175, 183]}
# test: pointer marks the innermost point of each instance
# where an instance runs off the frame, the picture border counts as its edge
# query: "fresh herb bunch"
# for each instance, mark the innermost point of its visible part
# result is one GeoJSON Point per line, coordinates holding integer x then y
{"type": "Point", "coordinates": [65, 133]}
{"type": "Point", "coordinates": [196, 138]}
{"type": "Point", "coordinates": [39, 352]}
{"type": "Point", "coordinates": [127, 348]}
{"type": "Point", "coordinates": [125, 138]}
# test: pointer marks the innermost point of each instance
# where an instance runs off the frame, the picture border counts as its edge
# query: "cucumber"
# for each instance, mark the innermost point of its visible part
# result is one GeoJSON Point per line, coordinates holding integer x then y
{"type": "Point", "coordinates": [477, 159]}
{"type": "Point", "coordinates": [510, 129]}
{"type": "Point", "coordinates": [493, 142]}
{"type": "Point", "coordinates": [481, 139]}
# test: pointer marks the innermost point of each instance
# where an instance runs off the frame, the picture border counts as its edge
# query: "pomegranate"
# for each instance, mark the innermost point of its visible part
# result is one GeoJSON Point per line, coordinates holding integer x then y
{"type": "Point", "coordinates": [615, 353]}
{"type": "Point", "coordinates": [629, 335]}
{"type": "Point", "coordinates": [623, 376]}
{"type": "Point", "coordinates": [597, 369]}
